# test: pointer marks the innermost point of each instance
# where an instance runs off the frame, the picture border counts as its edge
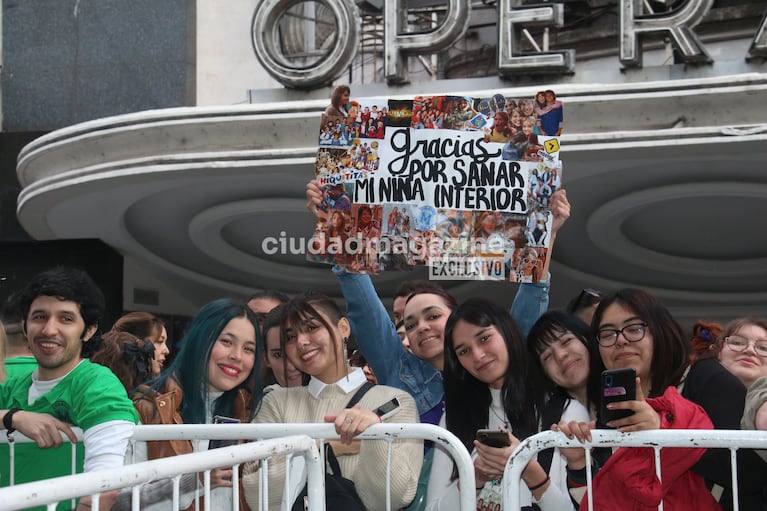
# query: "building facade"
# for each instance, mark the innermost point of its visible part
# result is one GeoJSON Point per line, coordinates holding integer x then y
{"type": "Point", "coordinates": [182, 133]}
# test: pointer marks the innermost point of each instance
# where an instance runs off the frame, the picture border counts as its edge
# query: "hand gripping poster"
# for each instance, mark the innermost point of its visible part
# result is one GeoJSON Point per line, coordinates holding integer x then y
{"type": "Point", "coordinates": [459, 184]}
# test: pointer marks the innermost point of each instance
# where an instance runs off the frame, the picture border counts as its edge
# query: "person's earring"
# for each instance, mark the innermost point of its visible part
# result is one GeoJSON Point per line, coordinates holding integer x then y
{"type": "Point", "coordinates": [346, 356]}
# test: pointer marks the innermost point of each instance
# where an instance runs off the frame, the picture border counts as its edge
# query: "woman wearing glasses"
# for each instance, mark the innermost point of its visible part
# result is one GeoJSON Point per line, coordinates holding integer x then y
{"type": "Point", "coordinates": [743, 349]}
{"type": "Point", "coordinates": [634, 329]}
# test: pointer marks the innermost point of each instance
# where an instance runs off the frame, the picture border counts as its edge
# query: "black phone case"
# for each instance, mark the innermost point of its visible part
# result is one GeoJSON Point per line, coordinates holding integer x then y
{"type": "Point", "coordinates": [617, 385]}
{"type": "Point", "coordinates": [490, 439]}
{"type": "Point", "coordinates": [220, 419]}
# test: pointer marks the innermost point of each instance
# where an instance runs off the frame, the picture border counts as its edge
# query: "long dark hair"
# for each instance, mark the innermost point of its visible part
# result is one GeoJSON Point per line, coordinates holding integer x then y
{"type": "Point", "coordinates": [467, 399]}
{"type": "Point", "coordinates": [547, 330]}
{"type": "Point", "coordinates": [190, 367]}
{"type": "Point", "coordinates": [671, 349]}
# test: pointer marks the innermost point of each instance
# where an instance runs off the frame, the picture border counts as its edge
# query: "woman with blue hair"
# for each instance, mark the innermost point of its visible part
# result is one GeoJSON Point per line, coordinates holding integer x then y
{"type": "Point", "coordinates": [214, 374]}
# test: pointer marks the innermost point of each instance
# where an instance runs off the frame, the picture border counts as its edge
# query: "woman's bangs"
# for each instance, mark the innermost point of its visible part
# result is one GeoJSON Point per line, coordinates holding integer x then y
{"type": "Point", "coordinates": [295, 314]}
{"type": "Point", "coordinates": [549, 337]}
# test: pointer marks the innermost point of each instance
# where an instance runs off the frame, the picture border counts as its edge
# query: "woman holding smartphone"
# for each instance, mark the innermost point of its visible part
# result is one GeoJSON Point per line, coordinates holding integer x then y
{"type": "Point", "coordinates": [563, 351]}
{"type": "Point", "coordinates": [635, 330]}
{"type": "Point", "coordinates": [313, 337]}
{"type": "Point", "coordinates": [489, 386]}
{"type": "Point", "coordinates": [214, 374]}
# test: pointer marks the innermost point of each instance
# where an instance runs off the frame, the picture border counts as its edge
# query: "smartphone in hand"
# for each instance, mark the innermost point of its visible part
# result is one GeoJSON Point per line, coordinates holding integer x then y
{"type": "Point", "coordinates": [220, 419]}
{"type": "Point", "coordinates": [617, 385]}
{"type": "Point", "coordinates": [494, 437]}
{"type": "Point", "coordinates": [387, 409]}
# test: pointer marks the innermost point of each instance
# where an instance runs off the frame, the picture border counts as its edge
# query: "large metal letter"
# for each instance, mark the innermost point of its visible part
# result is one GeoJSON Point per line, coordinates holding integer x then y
{"type": "Point", "coordinates": [398, 46]}
{"type": "Point", "coordinates": [758, 47]}
{"type": "Point", "coordinates": [267, 43]}
{"type": "Point", "coordinates": [678, 23]}
{"type": "Point", "coordinates": [511, 14]}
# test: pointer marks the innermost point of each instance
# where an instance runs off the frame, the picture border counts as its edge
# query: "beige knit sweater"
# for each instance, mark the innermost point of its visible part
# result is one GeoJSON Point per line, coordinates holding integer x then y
{"type": "Point", "coordinates": [368, 468]}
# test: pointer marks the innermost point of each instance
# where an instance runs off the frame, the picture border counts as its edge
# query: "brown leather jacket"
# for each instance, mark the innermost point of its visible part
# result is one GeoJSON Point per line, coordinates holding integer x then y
{"type": "Point", "coordinates": [165, 407]}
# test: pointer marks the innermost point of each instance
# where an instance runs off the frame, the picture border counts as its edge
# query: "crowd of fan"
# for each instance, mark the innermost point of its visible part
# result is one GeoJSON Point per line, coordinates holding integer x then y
{"type": "Point", "coordinates": [464, 366]}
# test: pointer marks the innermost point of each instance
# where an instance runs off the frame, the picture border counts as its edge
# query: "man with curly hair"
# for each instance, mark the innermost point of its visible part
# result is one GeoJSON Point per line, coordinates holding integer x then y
{"type": "Point", "coordinates": [60, 311]}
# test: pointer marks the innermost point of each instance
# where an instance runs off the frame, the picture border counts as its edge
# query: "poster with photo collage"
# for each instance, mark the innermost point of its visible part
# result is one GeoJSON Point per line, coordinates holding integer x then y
{"type": "Point", "coordinates": [457, 183]}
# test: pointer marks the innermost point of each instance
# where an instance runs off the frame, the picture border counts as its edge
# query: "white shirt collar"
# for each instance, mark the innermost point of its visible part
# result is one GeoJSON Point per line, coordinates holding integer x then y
{"type": "Point", "coordinates": [40, 388]}
{"type": "Point", "coordinates": [348, 383]}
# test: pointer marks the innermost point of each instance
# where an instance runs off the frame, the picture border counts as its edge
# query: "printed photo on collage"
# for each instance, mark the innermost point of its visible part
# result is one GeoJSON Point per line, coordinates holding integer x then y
{"type": "Point", "coordinates": [527, 264]}
{"type": "Point", "coordinates": [366, 229]}
{"type": "Point", "coordinates": [400, 113]}
{"type": "Point", "coordinates": [368, 118]}
{"type": "Point", "coordinates": [515, 123]}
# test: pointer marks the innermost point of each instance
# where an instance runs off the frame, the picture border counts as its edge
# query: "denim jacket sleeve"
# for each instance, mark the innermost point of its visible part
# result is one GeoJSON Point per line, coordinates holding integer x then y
{"type": "Point", "coordinates": [377, 338]}
{"type": "Point", "coordinates": [373, 330]}
{"type": "Point", "coordinates": [530, 302]}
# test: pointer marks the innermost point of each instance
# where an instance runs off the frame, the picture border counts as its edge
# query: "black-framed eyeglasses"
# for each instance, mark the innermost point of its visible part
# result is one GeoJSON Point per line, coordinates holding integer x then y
{"type": "Point", "coordinates": [588, 297]}
{"type": "Point", "coordinates": [740, 344]}
{"type": "Point", "coordinates": [607, 337]}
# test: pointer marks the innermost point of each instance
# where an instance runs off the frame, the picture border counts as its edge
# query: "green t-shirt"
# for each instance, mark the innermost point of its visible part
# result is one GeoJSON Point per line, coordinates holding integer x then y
{"type": "Point", "coordinates": [17, 366]}
{"type": "Point", "coordinates": [89, 395]}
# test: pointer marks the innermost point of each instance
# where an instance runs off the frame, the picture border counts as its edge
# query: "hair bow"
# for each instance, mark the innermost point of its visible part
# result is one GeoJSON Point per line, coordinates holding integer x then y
{"type": "Point", "coordinates": [140, 358]}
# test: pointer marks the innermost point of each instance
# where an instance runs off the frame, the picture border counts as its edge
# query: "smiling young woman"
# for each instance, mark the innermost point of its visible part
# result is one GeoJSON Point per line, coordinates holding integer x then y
{"type": "Point", "coordinates": [635, 330]}
{"type": "Point", "coordinates": [214, 373]}
{"type": "Point", "coordinates": [743, 349]}
{"type": "Point", "coordinates": [489, 385]}
{"type": "Point", "coordinates": [314, 334]}
{"type": "Point", "coordinates": [564, 353]}
{"type": "Point", "coordinates": [563, 350]}
{"type": "Point", "coordinates": [426, 313]}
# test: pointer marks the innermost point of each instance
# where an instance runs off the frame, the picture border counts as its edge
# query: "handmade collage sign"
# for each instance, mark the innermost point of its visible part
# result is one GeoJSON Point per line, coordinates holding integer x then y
{"type": "Point", "coordinates": [459, 184]}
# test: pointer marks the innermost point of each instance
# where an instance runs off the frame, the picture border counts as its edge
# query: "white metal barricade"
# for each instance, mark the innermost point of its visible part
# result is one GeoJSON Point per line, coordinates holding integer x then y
{"type": "Point", "coordinates": [51, 491]}
{"type": "Point", "coordinates": [324, 431]}
{"type": "Point", "coordinates": [656, 439]}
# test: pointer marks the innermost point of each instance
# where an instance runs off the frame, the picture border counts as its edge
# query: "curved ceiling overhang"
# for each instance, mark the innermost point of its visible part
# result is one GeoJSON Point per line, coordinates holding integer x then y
{"type": "Point", "coordinates": [666, 181]}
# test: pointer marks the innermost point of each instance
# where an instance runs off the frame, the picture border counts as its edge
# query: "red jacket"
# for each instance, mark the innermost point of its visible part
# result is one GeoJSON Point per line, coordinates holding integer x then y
{"type": "Point", "coordinates": [628, 482]}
